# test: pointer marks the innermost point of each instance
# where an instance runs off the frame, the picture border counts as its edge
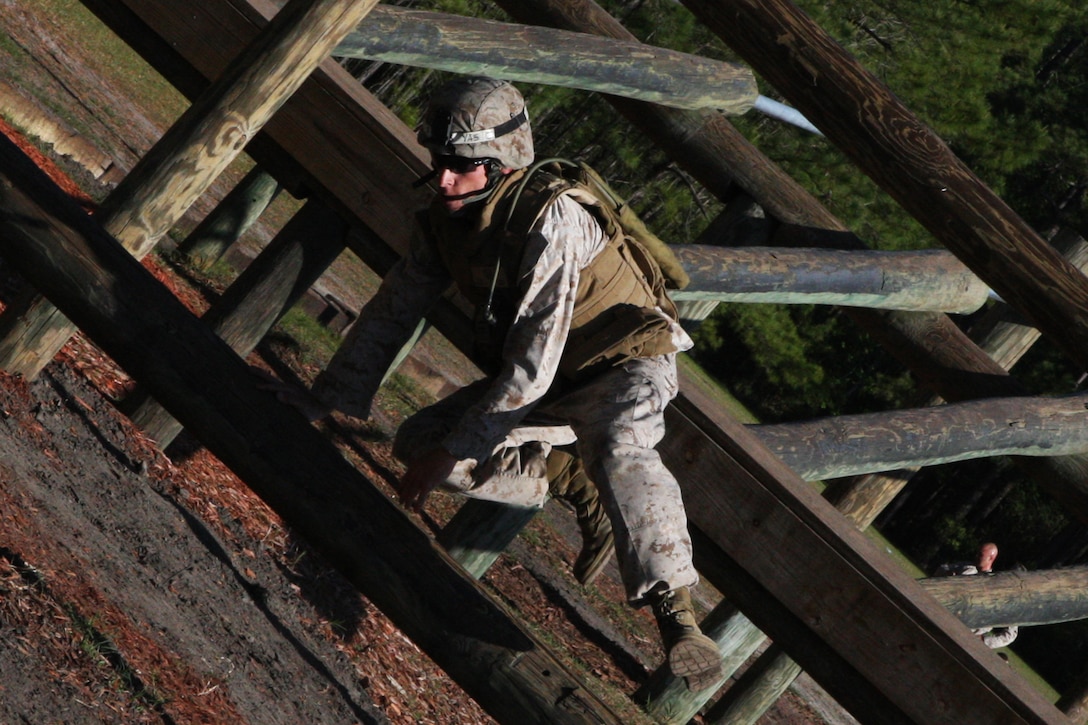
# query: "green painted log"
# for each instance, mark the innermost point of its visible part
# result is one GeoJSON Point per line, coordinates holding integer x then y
{"type": "Point", "coordinates": [271, 284]}
{"type": "Point", "coordinates": [552, 57]}
{"type": "Point", "coordinates": [1014, 597]}
{"type": "Point", "coordinates": [757, 689]}
{"type": "Point", "coordinates": [230, 219]}
{"type": "Point", "coordinates": [930, 280]}
{"type": "Point", "coordinates": [847, 445]}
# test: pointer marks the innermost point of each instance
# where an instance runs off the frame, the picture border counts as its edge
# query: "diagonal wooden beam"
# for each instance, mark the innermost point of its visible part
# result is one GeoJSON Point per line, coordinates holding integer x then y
{"type": "Point", "coordinates": [873, 127]}
{"type": "Point", "coordinates": [280, 456]}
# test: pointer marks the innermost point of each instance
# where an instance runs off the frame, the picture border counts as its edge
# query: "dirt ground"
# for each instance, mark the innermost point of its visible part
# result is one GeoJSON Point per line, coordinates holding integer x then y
{"type": "Point", "coordinates": [139, 587]}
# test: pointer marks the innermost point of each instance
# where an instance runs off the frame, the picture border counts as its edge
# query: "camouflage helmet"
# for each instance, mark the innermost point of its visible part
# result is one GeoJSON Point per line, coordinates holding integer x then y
{"type": "Point", "coordinates": [479, 118]}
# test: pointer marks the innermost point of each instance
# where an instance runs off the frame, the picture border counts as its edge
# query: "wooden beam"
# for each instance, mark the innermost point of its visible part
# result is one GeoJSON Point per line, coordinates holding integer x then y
{"type": "Point", "coordinates": [848, 445]}
{"type": "Point", "coordinates": [284, 459]}
{"type": "Point", "coordinates": [268, 287]}
{"type": "Point", "coordinates": [828, 575]}
{"type": "Point", "coordinates": [930, 280]}
{"type": "Point", "coordinates": [230, 219]}
{"type": "Point", "coordinates": [873, 127]}
{"type": "Point", "coordinates": [1014, 597]}
{"type": "Point", "coordinates": [552, 57]}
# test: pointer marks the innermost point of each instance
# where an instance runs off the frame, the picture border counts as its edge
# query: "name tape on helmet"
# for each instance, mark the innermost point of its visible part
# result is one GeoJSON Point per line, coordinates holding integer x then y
{"type": "Point", "coordinates": [456, 138]}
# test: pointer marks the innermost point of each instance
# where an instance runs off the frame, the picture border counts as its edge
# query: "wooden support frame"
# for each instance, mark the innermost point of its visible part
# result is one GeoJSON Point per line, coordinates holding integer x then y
{"type": "Point", "coordinates": [934, 640]}
{"type": "Point", "coordinates": [287, 462]}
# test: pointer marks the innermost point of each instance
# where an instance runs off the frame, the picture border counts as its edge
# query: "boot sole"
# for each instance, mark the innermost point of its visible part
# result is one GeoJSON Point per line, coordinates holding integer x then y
{"type": "Point", "coordinates": [697, 659]}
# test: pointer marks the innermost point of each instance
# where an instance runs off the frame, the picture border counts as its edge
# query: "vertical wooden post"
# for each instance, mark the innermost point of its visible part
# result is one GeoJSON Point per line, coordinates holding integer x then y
{"type": "Point", "coordinates": [196, 149]}
{"type": "Point", "coordinates": [230, 219]}
{"type": "Point", "coordinates": [269, 286]}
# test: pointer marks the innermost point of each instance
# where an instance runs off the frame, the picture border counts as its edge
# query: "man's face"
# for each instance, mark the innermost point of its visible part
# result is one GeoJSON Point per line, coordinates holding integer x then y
{"type": "Point", "coordinates": [458, 176]}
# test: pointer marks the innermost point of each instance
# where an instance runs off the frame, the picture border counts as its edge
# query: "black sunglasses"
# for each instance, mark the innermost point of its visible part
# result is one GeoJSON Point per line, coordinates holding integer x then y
{"type": "Point", "coordinates": [457, 164]}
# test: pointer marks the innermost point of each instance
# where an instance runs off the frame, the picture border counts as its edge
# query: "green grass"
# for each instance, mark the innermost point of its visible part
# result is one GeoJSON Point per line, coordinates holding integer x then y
{"type": "Point", "coordinates": [110, 57]}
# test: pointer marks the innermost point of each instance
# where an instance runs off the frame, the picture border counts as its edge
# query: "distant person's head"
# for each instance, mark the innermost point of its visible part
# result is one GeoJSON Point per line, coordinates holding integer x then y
{"type": "Point", "coordinates": [477, 130]}
{"type": "Point", "coordinates": [987, 553]}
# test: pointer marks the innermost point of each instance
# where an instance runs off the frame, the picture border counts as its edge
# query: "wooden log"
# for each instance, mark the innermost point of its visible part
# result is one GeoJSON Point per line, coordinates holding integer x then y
{"type": "Point", "coordinates": [757, 689]}
{"type": "Point", "coordinates": [847, 445]}
{"type": "Point", "coordinates": [193, 152]}
{"type": "Point", "coordinates": [907, 159]}
{"type": "Point", "coordinates": [552, 57]}
{"type": "Point", "coordinates": [929, 280]}
{"type": "Point", "coordinates": [297, 256]}
{"type": "Point", "coordinates": [481, 530]}
{"type": "Point", "coordinates": [668, 699]}
{"type": "Point", "coordinates": [744, 499]}
{"type": "Point", "coordinates": [862, 498]}
{"type": "Point", "coordinates": [230, 219]}
{"type": "Point", "coordinates": [1014, 597]}
{"type": "Point", "coordinates": [286, 461]}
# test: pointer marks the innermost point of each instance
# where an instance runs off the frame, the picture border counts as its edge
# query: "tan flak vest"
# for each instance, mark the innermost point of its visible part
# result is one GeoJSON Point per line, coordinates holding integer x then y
{"type": "Point", "coordinates": [614, 316]}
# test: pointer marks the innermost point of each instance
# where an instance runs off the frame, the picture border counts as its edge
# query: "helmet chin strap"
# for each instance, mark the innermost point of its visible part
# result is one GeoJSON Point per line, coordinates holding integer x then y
{"type": "Point", "coordinates": [494, 175]}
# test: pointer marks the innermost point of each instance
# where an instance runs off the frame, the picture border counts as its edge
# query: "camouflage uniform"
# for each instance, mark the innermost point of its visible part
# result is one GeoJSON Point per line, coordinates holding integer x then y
{"type": "Point", "coordinates": [501, 429]}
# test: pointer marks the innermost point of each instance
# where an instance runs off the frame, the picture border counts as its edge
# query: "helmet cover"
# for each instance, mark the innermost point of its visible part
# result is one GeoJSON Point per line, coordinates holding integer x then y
{"type": "Point", "coordinates": [479, 118]}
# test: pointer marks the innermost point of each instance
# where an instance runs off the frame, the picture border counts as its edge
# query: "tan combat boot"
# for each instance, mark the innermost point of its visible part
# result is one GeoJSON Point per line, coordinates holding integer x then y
{"type": "Point", "coordinates": [567, 480]}
{"type": "Point", "coordinates": [690, 653]}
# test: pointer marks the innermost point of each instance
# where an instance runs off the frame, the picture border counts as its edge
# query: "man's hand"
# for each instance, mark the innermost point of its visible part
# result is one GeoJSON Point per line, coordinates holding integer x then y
{"type": "Point", "coordinates": [295, 396]}
{"type": "Point", "coordinates": [424, 475]}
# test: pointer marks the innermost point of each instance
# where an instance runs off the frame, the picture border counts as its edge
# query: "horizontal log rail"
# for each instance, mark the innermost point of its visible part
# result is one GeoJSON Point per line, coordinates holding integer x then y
{"type": "Point", "coordinates": [848, 445]}
{"type": "Point", "coordinates": [554, 57]}
{"type": "Point", "coordinates": [929, 280]}
{"type": "Point", "coordinates": [1014, 597]}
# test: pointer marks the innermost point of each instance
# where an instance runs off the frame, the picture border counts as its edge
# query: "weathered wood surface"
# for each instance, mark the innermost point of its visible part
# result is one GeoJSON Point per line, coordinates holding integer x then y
{"type": "Point", "coordinates": [286, 461]}
{"type": "Point", "coordinates": [271, 284]}
{"type": "Point", "coordinates": [864, 118]}
{"type": "Point", "coordinates": [155, 194]}
{"type": "Point", "coordinates": [231, 218]}
{"type": "Point", "coordinates": [757, 689]}
{"type": "Point", "coordinates": [339, 185]}
{"type": "Point", "coordinates": [331, 139]}
{"type": "Point", "coordinates": [942, 358]}
{"type": "Point", "coordinates": [929, 280]}
{"type": "Point", "coordinates": [552, 57]}
{"type": "Point", "coordinates": [862, 498]}
{"type": "Point", "coordinates": [743, 498]}
{"type": "Point", "coordinates": [668, 699]}
{"type": "Point", "coordinates": [848, 445]}
{"type": "Point", "coordinates": [481, 530]}
{"type": "Point", "coordinates": [1014, 597]}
